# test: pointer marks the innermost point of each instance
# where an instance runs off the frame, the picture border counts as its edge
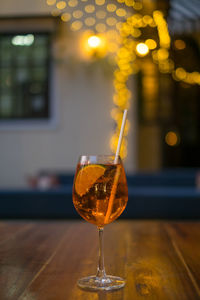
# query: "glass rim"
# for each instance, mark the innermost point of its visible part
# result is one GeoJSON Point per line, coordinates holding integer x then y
{"type": "Point", "coordinates": [89, 158]}
{"type": "Point", "coordinates": [99, 155]}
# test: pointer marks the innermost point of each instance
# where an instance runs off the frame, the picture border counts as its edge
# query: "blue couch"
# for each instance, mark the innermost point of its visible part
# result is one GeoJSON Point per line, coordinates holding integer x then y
{"type": "Point", "coordinates": [170, 194]}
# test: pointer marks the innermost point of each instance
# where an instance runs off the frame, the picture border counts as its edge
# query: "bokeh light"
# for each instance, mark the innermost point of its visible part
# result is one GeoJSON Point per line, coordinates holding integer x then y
{"type": "Point", "coordinates": [77, 14]}
{"type": "Point", "coordinates": [151, 44]}
{"type": "Point", "coordinates": [61, 4]}
{"type": "Point", "coordinates": [172, 138]}
{"type": "Point", "coordinates": [90, 21]}
{"type": "Point", "coordinates": [142, 49]}
{"type": "Point", "coordinates": [51, 2]}
{"type": "Point", "coordinates": [66, 17]}
{"type": "Point", "coordinates": [111, 7]}
{"type": "Point", "coordinates": [179, 44]}
{"type": "Point", "coordinates": [94, 41]}
{"type": "Point", "coordinates": [76, 25]}
{"type": "Point", "coordinates": [72, 3]}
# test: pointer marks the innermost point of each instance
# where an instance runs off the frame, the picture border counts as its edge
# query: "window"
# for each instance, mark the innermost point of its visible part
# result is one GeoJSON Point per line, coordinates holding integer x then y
{"type": "Point", "coordinates": [26, 72]}
{"type": "Point", "coordinates": [24, 82]}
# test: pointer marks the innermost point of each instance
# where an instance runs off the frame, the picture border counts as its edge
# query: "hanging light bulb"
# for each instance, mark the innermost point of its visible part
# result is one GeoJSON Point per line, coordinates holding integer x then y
{"type": "Point", "coordinates": [142, 49]}
{"type": "Point", "coordinates": [94, 41]}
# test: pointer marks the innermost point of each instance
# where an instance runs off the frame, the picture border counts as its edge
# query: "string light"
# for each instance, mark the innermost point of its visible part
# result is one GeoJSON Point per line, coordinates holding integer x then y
{"type": "Point", "coordinates": [112, 13]}
{"type": "Point", "coordinates": [127, 65]}
{"type": "Point", "coordinates": [172, 138]}
{"type": "Point", "coordinates": [94, 41]}
{"type": "Point", "coordinates": [179, 44]}
{"type": "Point", "coordinates": [101, 15]}
{"type": "Point", "coordinates": [151, 44]}
{"type": "Point", "coordinates": [61, 4]}
{"type": "Point", "coordinates": [51, 2]}
{"type": "Point", "coordinates": [142, 49]}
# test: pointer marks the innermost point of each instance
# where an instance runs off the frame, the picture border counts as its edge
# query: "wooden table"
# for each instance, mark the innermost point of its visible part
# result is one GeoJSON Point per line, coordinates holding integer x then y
{"type": "Point", "coordinates": [42, 260]}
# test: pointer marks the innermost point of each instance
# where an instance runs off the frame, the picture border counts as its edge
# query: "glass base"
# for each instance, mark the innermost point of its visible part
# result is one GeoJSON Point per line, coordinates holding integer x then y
{"type": "Point", "coordinates": [108, 283]}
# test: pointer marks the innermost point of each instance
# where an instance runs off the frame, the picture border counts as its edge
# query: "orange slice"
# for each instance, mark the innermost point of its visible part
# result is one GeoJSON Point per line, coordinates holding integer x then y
{"type": "Point", "coordinates": [86, 177]}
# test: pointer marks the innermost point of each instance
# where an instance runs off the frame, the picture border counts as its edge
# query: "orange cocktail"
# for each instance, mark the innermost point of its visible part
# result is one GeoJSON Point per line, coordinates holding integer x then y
{"type": "Point", "coordinates": [100, 195]}
{"type": "Point", "coordinates": [92, 191]}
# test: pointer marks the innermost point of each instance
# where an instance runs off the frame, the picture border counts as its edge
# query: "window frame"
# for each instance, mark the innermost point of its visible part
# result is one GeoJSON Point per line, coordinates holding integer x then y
{"type": "Point", "coordinates": [47, 25]}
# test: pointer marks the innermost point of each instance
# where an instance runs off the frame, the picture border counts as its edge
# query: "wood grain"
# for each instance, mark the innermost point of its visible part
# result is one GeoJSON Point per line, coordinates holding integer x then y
{"type": "Point", "coordinates": [44, 260]}
{"type": "Point", "coordinates": [186, 242]}
{"type": "Point", "coordinates": [24, 254]}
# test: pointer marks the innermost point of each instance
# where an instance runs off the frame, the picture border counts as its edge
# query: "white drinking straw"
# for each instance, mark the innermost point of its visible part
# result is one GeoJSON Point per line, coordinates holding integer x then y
{"type": "Point", "coordinates": [121, 135]}
{"type": "Point", "coordinates": [118, 170]}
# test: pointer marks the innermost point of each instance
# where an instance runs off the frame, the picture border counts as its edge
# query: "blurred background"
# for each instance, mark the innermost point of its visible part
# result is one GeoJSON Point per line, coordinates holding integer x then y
{"type": "Point", "coordinates": [68, 69]}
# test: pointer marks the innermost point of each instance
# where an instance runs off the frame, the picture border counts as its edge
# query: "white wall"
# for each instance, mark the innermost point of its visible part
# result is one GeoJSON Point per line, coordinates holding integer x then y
{"type": "Point", "coordinates": [84, 124]}
{"type": "Point", "coordinates": [23, 7]}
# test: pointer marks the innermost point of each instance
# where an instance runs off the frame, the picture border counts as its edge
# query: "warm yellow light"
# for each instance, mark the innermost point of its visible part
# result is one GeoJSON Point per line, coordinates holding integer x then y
{"type": "Point", "coordinates": [119, 25]}
{"type": "Point", "coordinates": [99, 2]}
{"type": "Point", "coordinates": [136, 17]}
{"type": "Point", "coordinates": [166, 66]}
{"type": "Point", "coordinates": [129, 2]}
{"type": "Point", "coordinates": [123, 53]}
{"type": "Point", "coordinates": [151, 44]}
{"type": "Point", "coordinates": [113, 47]}
{"type": "Point", "coordinates": [100, 27]}
{"type": "Point", "coordinates": [65, 17]}
{"type": "Point", "coordinates": [61, 5]}
{"type": "Point", "coordinates": [147, 19]}
{"type": "Point", "coordinates": [51, 2]}
{"type": "Point", "coordinates": [111, 21]}
{"type": "Point", "coordinates": [152, 23]}
{"type": "Point", "coordinates": [172, 139]}
{"type": "Point", "coordinates": [179, 44]}
{"type": "Point", "coordinates": [76, 25]}
{"type": "Point", "coordinates": [100, 14]}
{"type": "Point", "coordinates": [55, 12]}
{"type": "Point", "coordinates": [113, 145]}
{"type": "Point", "coordinates": [120, 12]}
{"type": "Point", "coordinates": [162, 54]}
{"type": "Point", "coordinates": [77, 14]}
{"type": "Point", "coordinates": [180, 73]}
{"type": "Point", "coordinates": [90, 21]}
{"type": "Point", "coordinates": [189, 78]}
{"type": "Point", "coordinates": [162, 29]}
{"type": "Point", "coordinates": [142, 49]}
{"type": "Point", "coordinates": [93, 45]}
{"type": "Point", "coordinates": [89, 8]}
{"type": "Point", "coordinates": [136, 32]}
{"type": "Point", "coordinates": [113, 35]}
{"type": "Point", "coordinates": [73, 3]}
{"type": "Point", "coordinates": [196, 77]}
{"type": "Point", "coordinates": [94, 41]}
{"type": "Point", "coordinates": [111, 7]}
{"type": "Point", "coordinates": [137, 5]}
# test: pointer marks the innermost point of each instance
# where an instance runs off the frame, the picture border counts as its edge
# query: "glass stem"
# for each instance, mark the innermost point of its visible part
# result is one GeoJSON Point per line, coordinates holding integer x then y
{"type": "Point", "coordinates": [101, 270]}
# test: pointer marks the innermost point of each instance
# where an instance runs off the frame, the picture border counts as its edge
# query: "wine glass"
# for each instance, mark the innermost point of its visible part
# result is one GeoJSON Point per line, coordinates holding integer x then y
{"type": "Point", "coordinates": [100, 195]}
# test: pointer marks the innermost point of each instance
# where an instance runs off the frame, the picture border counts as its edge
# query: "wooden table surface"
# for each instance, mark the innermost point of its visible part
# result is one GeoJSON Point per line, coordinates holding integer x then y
{"type": "Point", "coordinates": [43, 260]}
